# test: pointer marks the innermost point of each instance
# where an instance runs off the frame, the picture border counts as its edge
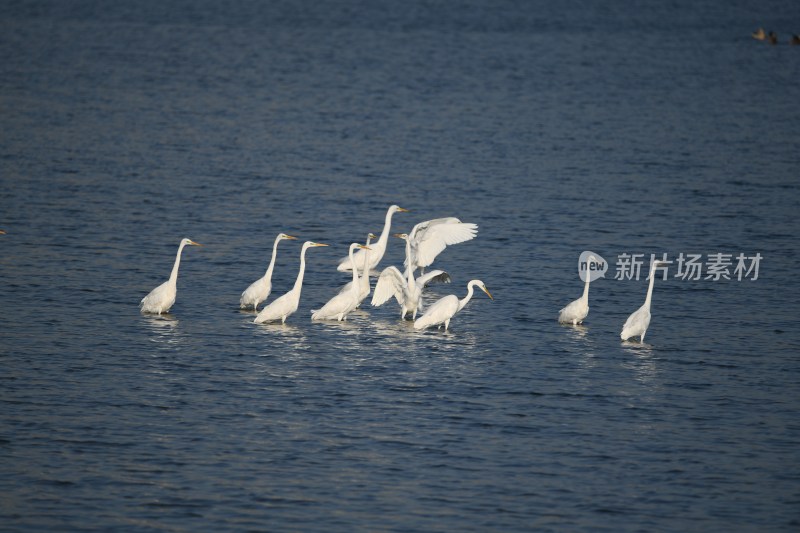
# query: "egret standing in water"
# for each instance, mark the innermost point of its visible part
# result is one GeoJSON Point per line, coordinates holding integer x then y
{"type": "Point", "coordinates": [345, 302]}
{"type": "Point", "coordinates": [377, 249]}
{"type": "Point", "coordinates": [441, 311]}
{"type": "Point", "coordinates": [428, 239]}
{"type": "Point", "coordinates": [287, 304]}
{"type": "Point", "coordinates": [259, 290]}
{"type": "Point", "coordinates": [161, 298]}
{"type": "Point", "coordinates": [576, 311]}
{"type": "Point", "coordinates": [406, 290]}
{"type": "Point", "coordinates": [637, 323]}
{"type": "Point", "coordinates": [363, 281]}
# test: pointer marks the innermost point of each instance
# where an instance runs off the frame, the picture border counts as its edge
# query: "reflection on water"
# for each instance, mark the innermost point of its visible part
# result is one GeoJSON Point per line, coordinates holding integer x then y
{"type": "Point", "coordinates": [642, 361]}
{"type": "Point", "coordinates": [164, 329]}
{"type": "Point", "coordinates": [293, 336]}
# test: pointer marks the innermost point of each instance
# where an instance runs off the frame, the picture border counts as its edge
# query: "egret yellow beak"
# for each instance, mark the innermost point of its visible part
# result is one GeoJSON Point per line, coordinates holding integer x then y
{"type": "Point", "coordinates": [195, 243]}
{"type": "Point", "coordinates": [400, 235]}
{"type": "Point", "coordinates": [364, 247]}
{"type": "Point", "coordinates": [319, 244]}
{"type": "Point", "coordinates": [487, 293]}
{"type": "Point", "coordinates": [402, 210]}
{"type": "Point", "coordinates": [290, 237]}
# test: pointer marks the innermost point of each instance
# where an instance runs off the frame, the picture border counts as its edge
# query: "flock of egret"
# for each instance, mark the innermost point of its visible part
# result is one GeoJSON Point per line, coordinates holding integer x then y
{"type": "Point", "coordinates": [426, 241]}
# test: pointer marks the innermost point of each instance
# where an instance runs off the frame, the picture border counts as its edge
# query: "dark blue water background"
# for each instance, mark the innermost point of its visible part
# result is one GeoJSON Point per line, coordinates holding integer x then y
{"type": "Point", "coordinates": [557, 127]}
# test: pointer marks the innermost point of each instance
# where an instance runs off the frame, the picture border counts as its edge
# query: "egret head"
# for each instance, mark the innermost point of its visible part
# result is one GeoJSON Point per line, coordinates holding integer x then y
{"type": "Point", "coordinates": [403, 236]}
{"type": "Point", "coordinates": [397, 208]}
{"type": "Point", "coordinates": [358, 245]}
{"type": "Point", "coordinates": [311, 244]}
{"type": "Point", "coordinates": [190, 242]}
{"type": "Point", "coordinates": [372, 236]}
{"type": "Point", "coordinates": [283, 236]}
{"type": "Point", "coordinates": [482, 286]}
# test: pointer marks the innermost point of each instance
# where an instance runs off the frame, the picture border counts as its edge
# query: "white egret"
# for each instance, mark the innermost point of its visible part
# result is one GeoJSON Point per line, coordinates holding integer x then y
{"type": "Point", "coordinates": [343, 303]}
{"type": "Point", "coordinates": [428, 239]}
{"type": "Point", "coordinates": [161, 298]}
{"type": "Point", "coordinates": [378, 248]}
{"type": "Point", "coordinates": [576, 311]}
{"type": "Point", "coordinates": [406, 290]}
{"type": "Point", "coordinates": [637, 323]}
{"type": "Point", "coordinates": [442, 310]}
{"type": "Point", "coordinates": [259, 290]}
{"type": "Point", "coordinates": [287, 304]}
{"type": "Point", "coordinates": [363, 281]}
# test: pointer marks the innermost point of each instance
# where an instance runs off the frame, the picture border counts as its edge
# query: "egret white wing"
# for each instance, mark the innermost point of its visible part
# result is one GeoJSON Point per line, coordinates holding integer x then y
{"type": "Point", "coordinates": [430, 238]}
{"type": "Point", "coordinates": [390, 283]}
{"type": "Point", "coordinates": [435, 276]}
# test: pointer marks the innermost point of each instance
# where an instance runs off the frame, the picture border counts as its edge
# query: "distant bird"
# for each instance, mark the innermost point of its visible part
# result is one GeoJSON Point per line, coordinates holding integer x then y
{"type": "Point", "coordinates": [759, 34]}
{"type": "Point", "coordinates": [287, 304]}
{"type": "Point", "coordinates": [637, 323]}
{"type": "Point", "coordinates": [772, 37]}
{"type": "Point", "coordinates": [2, 232]}
{"type": "Point", "coordinates": [406, 290]}
{"type": "Point", "coordinates": [161, 299]}
{"type": "Point", "coordinates": [363, 281]}
{"type": "Point", "coordinates": [259, 290]}
{"type": "Point", "coordinates": [428, 239]}
{"type": "Point", "coordinates": [441, 311]}
{"type": "Point", "coordinates": [795, 39]}
{"type": "Point", "coordinates": [378, 248]}
{"type": "Point", "coordinates": [343, 303]}
{"type": "Point", "coordinates": [577, 310]}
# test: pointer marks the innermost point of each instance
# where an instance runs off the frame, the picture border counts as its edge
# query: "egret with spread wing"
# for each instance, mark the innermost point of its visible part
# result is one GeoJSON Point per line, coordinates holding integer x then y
{"type": "Point", "coordinates": [287, 304]}
{"type": "Point", "coordinates": [161, 298]}
{"type": "Point", "coordinates": [377, 249]}
{"type": "Point", "coordinates": [442, 310]}
{"type": "Point", "coordinates": [406, 290]}
{"type": "Point", "coordinates": [577, 310]}
{"type": "Point", "coordinates": [343, 303]}
{"type": "Point", "coordinates": [259, 290]}
{"type": "Point", "coordinates": [428, 239]}
{"type": "Point", "coordinates": [637, 323]}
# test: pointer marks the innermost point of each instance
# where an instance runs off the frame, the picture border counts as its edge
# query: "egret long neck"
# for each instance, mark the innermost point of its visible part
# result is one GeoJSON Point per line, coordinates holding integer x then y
{"type": "Point", "coordinates": [380, 244]}
{"type": "Point", "coordinates": [409, 267]}
{"type": "Point", "coordinates": [586, 287]}
{"type": "Point", "coordinates": [271, 266]}
{"type": "Point", "coordinates": [298, 284]}
{"type": "Point", "coordinates": [467, 298]}
{"type": "Point", "coordinates": [650, 287]}
{"type": "Point", "coordinates": [173, 277]}
{"type": "Point", "coordinates": [365, 265]}
{"type": "Point", "coordinates": [354, 288]}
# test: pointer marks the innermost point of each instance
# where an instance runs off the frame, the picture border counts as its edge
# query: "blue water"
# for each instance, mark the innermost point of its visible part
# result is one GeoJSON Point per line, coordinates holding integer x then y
{"type": "Point", "coordinates": [556, 127]}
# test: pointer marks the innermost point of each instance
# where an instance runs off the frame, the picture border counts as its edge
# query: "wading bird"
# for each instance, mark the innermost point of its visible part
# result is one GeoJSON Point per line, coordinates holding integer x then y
{"type": "Point", "coordinates": [406, 290]}
{"type": "Point", "coordinates": [363, 281]}
{"type": "Point", "coordinates": [259, 290]}
{"type": "Point", "coordinates": [161, 298]}
{"type": "Point", "coordinates": [637, 323]}
{"type": "Point", "coordinates": [378, 248]}
{"type": "Point", "coordinates": [576, 311]}
{"type": "Point", "coordinates": [287, 304]}
{"type": "Point", "coordinates": [428, 239]}
{"type": "Point", "coordinates": [343, 303]}
{"type": "Point", "coordinates": [441, 311]}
